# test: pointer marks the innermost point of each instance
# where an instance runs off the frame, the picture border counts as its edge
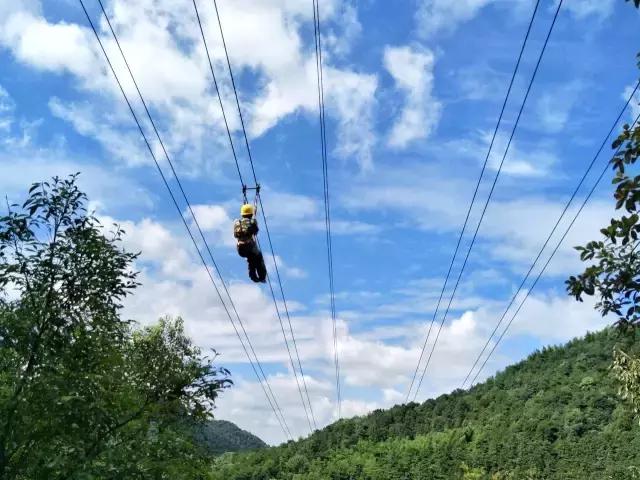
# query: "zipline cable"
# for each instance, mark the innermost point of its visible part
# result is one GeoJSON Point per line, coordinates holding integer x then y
{"type": "Point", "coordinates": [495, 181]}
{"type": "Point", "coordinates": [233, 150]}
{"type": "Point", "coordinates": [215, 85]}
{"type": "Point", "coordinates": [262, 210]}
{"type": "Point", "coordinates": [553, 230]}
{"type": "Point", "coordinates": [327, 198]}
{"type": "Point", "coordinates": [475, 194]}
{"type": "Point", "coordinates": [535, 282]}
{"type": "Point", "coordinates": [272, 402]}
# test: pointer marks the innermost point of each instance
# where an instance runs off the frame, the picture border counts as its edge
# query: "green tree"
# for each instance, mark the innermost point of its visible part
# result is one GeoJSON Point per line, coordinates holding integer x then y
{"type": "Point", "coordinates": [614, 277]}
{"type": "Point", "coordinates": [627, 370]}
{"type": "Point", "coordinates": [614, 273]}
{"type": "Point", "coordinates": [84, 393]}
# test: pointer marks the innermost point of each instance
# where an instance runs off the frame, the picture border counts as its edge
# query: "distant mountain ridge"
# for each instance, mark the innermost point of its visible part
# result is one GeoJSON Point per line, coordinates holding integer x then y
{"type": "Point", "coordinates": [555, 415]}
{"type": "Point", "coordinates": [221, 436]}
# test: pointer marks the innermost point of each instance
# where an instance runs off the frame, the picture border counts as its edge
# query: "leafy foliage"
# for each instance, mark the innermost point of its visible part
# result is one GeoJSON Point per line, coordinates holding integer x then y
{"type": "Point", "coordinates": [627, 370]}
{"type": "Point", "coordinates": [615, 277]}
{"type": "Point", "coordinates": [83, 393]}
{"type": "Point", "coordinates": [555, 415]}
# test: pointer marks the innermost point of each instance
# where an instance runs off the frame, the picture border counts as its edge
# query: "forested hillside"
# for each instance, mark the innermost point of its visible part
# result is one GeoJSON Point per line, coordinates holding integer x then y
{"type": "Point", "coordinates": [220, 436]}
{"type": "Point", "coordinates": [555, 415]}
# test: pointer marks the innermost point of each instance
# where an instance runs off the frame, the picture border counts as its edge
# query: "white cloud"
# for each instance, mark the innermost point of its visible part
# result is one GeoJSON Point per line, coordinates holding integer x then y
{"type": "Point", "coordinates": [444, 16]}
{"type": "Point", "coordinates": [351, 98]}
{"type": "Point", "coordinates": [176, 284]}
{"type": "Point", "coordinates": [51, 47]}
{"type": "Point", "coordinates": [23, 162]}
{"type": "Point", "coordinates": [339, 42]}
{"type": "Point", "coordinates": [547, 317]}
{"type": "Point", "coordinates": [524, 159]}
{"type": "Point", "coordinates": [179, 87]}
{"type": "Point", "coordinates": [588, 8]}
{"type": "Point", "coordinates": [418, 195]}
{"type": "Point", "coordinates": [554, 106]}
{"type": "Point", "coordinates": [7, 107]}
{"type": "Point", "coordinates": [289, 271]}
{"type": "Point", "coordinates": [529, 162]}
{"type": "Point", "coordinates": [214, 219]}
{"type": "Point", "coordinates": [245, 404]}
{"type": "Point", "coordinates": [519, 228]}
{"type": "Point", "coordinates": [480, 81]}
{"type": "Point", "coordinates": [434, 16]}
{"type": "Point", "coordinates": [286, 209]}
{"type": "Point", "coordinates": [412, 72]}
{"type": "Point", "coordinates": [555, 319]}
{"type": "Point", "coordinates": [124, 146]}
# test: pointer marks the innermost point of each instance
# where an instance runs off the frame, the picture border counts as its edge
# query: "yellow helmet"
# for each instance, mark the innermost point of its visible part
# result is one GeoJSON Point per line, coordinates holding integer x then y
{"type": "Point", "coordinates": [247, 209]}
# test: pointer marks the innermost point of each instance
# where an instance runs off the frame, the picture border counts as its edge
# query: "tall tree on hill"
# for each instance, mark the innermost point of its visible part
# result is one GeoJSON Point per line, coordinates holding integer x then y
{"type": "Point", "coordinates": [614, 274]}
{"type": "Point", "coordinates": [83, 393]}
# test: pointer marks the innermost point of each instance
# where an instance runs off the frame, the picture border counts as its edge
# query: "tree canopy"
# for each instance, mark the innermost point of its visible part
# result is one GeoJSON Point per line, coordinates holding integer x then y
{"type": "Point", "coordinates": [85, 393]}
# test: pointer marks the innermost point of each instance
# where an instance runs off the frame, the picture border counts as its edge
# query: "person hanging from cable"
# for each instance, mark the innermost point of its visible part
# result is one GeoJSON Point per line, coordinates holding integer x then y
{"type": "Point", "coordinates": [245, 230]}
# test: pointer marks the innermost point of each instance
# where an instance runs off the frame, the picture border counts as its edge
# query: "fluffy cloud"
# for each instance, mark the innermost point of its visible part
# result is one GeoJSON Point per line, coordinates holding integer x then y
{"type": "Point", "coordinates": [434, 16]}
{"type": "Point", "coordinates": [554, 319]}
{"type": "Point", "coordinates": [589, 8]}
{"type": "Point", "coordinates": [23, 162]}
{"type": "Point", "coordinates": [123, 146]}
{"type": "Point", "coordinates": [176, 285]}
{"type": "Point", "coordinates": [513, 230]}
{"type": "Point", "coordinates": [289, 271]}
{"type": "Point", "coordinates": [56, 47]}
{"type": "Point", "coordinates": [351, 96]}
{"type": "Point", "coordinates": [444, 16]}
{"type": "Point", "coordinates": [7, 107]}
{"type": "Point", "coordinates": [554, 106]}
{"type": "Point", "coordinates": [307, 213]}
{"type": "Point", "coordinates": [412, 72]}
{"type": "Point", "coordinates": [245, 405]}
{"type": "Point", "coordinates": [215, 220]}
{"type": "Point", "coordinates": [281, 71]}
{"type": "Point", "coordinates": [520, 161]}
{"type": "Point", "coordinates": [480, 81]}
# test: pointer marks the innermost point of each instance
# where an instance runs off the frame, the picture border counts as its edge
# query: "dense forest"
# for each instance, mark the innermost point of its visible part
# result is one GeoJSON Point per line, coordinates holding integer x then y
{"type": "Point", "coordinates": [220, 436]}
{"type": "Point", "coordinates": [555, 415]}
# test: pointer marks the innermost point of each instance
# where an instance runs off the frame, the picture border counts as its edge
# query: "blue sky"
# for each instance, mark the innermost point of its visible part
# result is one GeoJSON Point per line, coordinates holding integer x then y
{"type": "Point", "coordinates": [413, 90]}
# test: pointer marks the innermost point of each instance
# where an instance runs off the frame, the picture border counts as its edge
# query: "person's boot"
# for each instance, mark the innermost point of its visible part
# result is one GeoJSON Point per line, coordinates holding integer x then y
{"type": "Point", "coordinates": [261, 269]}
{"type": "Point", "coordinates": [253, 275]}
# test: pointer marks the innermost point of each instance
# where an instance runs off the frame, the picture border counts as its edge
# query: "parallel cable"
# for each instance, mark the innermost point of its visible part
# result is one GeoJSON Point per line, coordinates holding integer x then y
{"type": "Point", "coordinates": [233, 150]}
{"type": "Point", "coordinates": [215, 85]}
{"type": "Point", "coordinates": [266, 225]}
{"type": "Point", "coordinates": [257, 197]}
{"type": "Point", "coordinates": [553, 230]}
{"type": "Point", "coordinates": [272, 400]}
{"type": "Point", "coordinates": [495, 181]}
{"type": "Point", "coordinates": [475, 193]}
{"type": "Point", "coordinates": [286, 310]}
{"type": "Point", "coordinates": [535, 282]}
{"type": "Point", "coordinates": [327, 198]}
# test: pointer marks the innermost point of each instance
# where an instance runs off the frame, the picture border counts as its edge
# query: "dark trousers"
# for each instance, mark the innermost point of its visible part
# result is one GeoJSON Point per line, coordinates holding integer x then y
{"type": "Point", "coordinates": [255, 260]}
